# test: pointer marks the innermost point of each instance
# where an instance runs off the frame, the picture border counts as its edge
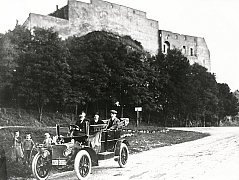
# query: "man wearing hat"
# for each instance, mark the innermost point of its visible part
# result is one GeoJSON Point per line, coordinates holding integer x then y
{"type": "Point", "coordinates": [81, 121]}
{"type": "Point", "coordinates": [96, 119]}
{"type": "Point", "coordinates": [113, 122]}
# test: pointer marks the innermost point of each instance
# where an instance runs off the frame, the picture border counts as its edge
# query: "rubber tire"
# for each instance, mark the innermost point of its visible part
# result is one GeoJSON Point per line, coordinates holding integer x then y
{"type": "Point", "coordinates": [80, 154]}
{"type": "Point", "coordinates": [123, 148]}
{"type": "Point", "coordinates": [34, 170]}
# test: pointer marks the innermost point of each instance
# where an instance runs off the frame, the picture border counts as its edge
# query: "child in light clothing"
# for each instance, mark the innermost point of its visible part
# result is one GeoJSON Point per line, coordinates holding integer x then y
{"type": "Point", "coordinates": [47, 141]}
{"type": "Point", "coordinates": [28, 145]}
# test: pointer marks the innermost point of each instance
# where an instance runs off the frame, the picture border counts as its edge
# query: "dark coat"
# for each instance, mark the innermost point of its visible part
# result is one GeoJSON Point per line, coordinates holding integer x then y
{"type": "Point", "coordinates": [113, 123]}
{"type": "Point", "coordinates": [3, 165]}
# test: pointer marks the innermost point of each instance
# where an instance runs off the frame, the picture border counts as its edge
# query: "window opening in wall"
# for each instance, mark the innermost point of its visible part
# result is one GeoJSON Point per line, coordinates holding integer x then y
{"type": "Point", "coordinates": [133, 11]}
{"type": "Point", "coordinates": [184, 50]}
{"type": "Point", "coordinates": [191, 51]}
{"type": "Point", "coordinates": [166, 47]}
{"type": "Point", "coordinates": [167, 36]}
{"type": "Point", "coordinates": [176, 37]}
{"type": "Point", "coordinates": [185, 38]}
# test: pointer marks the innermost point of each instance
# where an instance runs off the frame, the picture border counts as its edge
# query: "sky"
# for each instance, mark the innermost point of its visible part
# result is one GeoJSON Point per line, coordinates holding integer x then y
{"type": "Point", "coordinates": [215, 20]}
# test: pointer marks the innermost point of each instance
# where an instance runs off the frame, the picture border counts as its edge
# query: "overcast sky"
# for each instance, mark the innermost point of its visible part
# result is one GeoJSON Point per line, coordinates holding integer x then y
{"type": "Point", "coordinates": [215, 20]}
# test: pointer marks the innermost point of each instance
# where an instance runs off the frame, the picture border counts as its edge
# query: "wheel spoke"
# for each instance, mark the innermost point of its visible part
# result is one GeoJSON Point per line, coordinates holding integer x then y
{"type": "Point", "coordinates": [84, 166]}
{"type": "Point", "coordinates": [124, 156]}
{"type": "Point", "coordinates": [42, 167]}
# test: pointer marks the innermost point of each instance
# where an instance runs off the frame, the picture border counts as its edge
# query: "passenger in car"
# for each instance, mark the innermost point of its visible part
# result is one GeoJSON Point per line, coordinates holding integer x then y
{"type": "Point", "coordinates": [113, 122]}
{"type": "Point", "coordinates": [96, 119]}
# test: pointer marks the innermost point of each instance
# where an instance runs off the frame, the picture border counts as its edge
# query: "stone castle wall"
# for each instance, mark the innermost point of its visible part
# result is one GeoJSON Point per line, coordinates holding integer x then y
{"type": "Point", "coordinates": [100, 15]}
{"type": "Point", "coordinates": [79, 18]}
{"type": "Point", "coordinates": [59, 25]}
{"type": "Point", "coordinates": [194, 48]}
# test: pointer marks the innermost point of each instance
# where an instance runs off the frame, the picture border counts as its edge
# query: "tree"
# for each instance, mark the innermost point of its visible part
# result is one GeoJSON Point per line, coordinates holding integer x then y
{"type": "Point", "coordinates": [12, 44]}
{"type": "Point", "coordinates": [204, 104]}
{"type": "Point", "coordinates": [175, 69]}
{"type": "Point", "coordinates": [43, 74]}
{"type": "Point", "coordinates": [228, 103]}
{"type": "Point", "coordinates": [106, 69]}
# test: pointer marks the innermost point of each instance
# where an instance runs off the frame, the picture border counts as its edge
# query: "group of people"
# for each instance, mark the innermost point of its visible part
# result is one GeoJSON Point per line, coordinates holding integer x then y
{"type": "Point", "coordinates": [22, 148]}
{"type": "Point", "coordinates": [112, 123]}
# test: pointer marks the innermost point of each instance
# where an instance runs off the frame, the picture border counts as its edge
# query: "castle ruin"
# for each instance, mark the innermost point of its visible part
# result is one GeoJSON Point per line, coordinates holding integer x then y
{"type": "Point", "coordinates": [79, 18]}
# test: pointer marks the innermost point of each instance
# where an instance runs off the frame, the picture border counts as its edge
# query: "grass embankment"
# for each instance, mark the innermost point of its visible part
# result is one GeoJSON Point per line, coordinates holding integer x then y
{"type": "Point", "coordinates": [139, 138]}
{"type": "Point", "coordinates": [145, 141]}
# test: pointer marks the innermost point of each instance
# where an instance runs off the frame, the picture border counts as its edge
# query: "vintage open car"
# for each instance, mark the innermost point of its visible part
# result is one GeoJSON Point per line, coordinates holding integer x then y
{"type": "Point", "coordinates": [81, 149]}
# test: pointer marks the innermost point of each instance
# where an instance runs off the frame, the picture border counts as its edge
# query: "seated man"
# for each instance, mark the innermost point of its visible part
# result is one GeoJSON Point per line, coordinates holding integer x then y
{"type": "Point", "coordinates": [81, 121]}
{"type": "Point", "coordinates": [113, 122]}
{"type": "Point", "coordinates": [96, 120]}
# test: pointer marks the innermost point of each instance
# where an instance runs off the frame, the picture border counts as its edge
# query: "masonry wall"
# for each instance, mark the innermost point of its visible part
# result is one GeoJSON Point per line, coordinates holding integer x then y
{"type": "Point", "coordinates": [79, 18]}
{"type": "Point", "coordinates": [101, 15]}
{"type": "Point", "coordinates": [194, 48]}
{"type": "Point", "coordinates": [61, 13]}
{"type": "Point", "coordinates": [59, 25]}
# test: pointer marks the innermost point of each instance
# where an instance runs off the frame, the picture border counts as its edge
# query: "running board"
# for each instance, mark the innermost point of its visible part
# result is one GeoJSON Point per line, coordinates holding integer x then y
{"type": "Point", "coordinates": [106, 155]}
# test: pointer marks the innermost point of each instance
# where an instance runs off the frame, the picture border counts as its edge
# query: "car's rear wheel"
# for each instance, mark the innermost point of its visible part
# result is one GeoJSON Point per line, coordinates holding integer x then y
{"type": "Point", "coordinates": [82, 164]}
{"type": "Point", "coordinates": [123, 155]}
{"type": "Point", "coordinates": [40, 167]}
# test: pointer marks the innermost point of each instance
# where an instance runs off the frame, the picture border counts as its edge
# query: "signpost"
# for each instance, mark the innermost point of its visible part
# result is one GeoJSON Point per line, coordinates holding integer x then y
{"type": "Point", "coordinates": [137, 109]}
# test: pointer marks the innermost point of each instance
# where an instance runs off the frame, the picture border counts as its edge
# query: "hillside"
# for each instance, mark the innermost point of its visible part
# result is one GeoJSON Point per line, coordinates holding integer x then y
{"type": "Point", "coordinates": [21, 117]}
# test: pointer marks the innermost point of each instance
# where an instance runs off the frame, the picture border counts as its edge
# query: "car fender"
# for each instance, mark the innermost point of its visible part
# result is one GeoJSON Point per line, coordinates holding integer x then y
{"type": "Point", "coordinates": [93, 155]}
{"type": "Point", "coordinates": [118, 144]}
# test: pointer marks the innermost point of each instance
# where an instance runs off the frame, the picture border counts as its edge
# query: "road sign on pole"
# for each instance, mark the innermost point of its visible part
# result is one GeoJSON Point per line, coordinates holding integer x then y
{"type": "Point", "coordinates": [137, 109]}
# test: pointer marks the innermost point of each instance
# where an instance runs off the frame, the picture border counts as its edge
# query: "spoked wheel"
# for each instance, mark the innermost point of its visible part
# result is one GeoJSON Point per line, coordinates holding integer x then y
{"type": "Point", "coordinates": [82, 164]}
{"type": "Point", "coordinates": [40, 167]}
{"type": "Point", "coordinates": [123, 155]}
{"type": "Point", "coordinates": [33, 154]}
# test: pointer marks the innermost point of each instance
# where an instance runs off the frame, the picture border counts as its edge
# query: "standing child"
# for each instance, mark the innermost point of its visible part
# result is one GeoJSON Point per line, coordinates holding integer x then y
{"type": "Point", "coordinates": [28, 145]}
{"type": "Point", "coordinates": [47, 141]}
{"type": "Point", "coordinates": [17, 145]}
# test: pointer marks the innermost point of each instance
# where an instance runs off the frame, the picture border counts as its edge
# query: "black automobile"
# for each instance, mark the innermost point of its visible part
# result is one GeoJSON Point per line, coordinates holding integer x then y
{"type": "Point", "coordinates": [81, 149]}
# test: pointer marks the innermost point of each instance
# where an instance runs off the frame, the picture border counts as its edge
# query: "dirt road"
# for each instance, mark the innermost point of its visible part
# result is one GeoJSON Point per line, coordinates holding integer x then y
{"type": "Point", "coordinates": [213, 157]}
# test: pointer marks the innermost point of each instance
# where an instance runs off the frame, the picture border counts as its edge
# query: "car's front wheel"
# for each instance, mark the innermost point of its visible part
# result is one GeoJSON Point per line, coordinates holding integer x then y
{"type": "Point", "coordinates": [123, 155]}
{"type": "Point", "coordinates": [40, 167]}
{"type": "Point", "coordinates": [82, 164]}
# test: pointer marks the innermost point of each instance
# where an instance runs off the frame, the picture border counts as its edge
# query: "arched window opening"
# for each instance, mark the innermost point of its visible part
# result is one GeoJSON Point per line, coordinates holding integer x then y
{"type": "Point", "coordinates": [166, 47]}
